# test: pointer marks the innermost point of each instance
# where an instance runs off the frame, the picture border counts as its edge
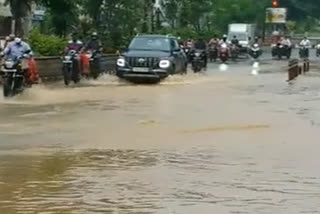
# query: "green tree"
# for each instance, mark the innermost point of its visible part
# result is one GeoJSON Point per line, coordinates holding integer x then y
{"type": "Point", "coordinates": [20, 9]}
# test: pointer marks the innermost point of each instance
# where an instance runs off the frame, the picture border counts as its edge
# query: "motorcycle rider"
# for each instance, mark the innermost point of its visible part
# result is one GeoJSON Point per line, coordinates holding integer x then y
{"type": "Point", "coordinates": [200, 44]}
{"type": "Point", "coordinates": [235, 41]}
{"type": "Point", "coordinates": [306, 43]}
{"type": "Point", "coordinates": [74, 44]}
{"type": "Point", "coordinates": [214, 41]}
{"type": "Point", "coordinates": [94, 44]}
{"type": "Point", "coordinates": [223, 40]}
{"type": "Point", "coordinates": [19, 48]}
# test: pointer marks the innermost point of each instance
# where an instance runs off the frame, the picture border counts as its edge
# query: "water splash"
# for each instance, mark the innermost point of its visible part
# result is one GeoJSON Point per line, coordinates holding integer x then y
{"type": "Point", "coordinates": [255, 68]}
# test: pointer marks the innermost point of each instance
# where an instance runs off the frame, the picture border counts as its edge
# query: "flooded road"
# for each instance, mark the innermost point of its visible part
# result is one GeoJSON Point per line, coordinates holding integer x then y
{"type": "Point", "coordinates": [220, 142]}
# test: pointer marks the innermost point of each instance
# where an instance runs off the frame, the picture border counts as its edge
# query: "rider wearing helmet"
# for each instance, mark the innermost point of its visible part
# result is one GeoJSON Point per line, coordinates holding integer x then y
{"type": "Point", "coordinates": [74, 44]}
{"type": "Point", "coordinates": [94, 43]}
{"type": "Point", "coordinates": [19, 48]}
{"type": "Point", "coordinates": [224, 39]}
{"type": "Point", "coordinates": [201, 44]}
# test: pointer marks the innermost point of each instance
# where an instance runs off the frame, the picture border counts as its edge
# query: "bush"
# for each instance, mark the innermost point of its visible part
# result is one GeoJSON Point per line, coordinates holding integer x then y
{"type": "Point", "coordinates": [46, 45]}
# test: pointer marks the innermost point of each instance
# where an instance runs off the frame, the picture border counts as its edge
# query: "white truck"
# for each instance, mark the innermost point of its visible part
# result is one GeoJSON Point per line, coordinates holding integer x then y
{"type": "Point", "coordinates": [244, 33]}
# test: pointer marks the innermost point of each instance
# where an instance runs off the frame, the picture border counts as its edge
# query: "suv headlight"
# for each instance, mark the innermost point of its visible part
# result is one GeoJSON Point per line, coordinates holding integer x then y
{"type": "Point", "coordinates": [121, 62]}
{"type": "Point", "coordinates": [9, 64]}
{"type": "Point", "coordinates": [164, 64]}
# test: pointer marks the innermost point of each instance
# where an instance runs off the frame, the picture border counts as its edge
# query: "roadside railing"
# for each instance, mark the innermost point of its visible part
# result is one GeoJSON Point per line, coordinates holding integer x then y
{"type": "Point", "coordinates": [51, 67]}
{"type": "Point", "coordinates": [296, 68]}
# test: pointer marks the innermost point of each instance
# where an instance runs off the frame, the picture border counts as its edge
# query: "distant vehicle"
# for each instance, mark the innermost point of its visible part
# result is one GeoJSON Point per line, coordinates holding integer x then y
{"type": "Point", "coordinates": [69, 68]}
{"type": "Point", "coordinates": [304, 52]}
{"type": "Point", "coordinates": [279, 50]}
{"type": "Point", "coordinates": [224, 53]}
{"type": "Point", "coordinates": [244, 33]}
{"type": "Point", "coordinates": [151, 57]}
{"type": "Point", "coordinates": [255, 51]}
{"type": "Point", "coordinates": [198, 60]}
{"type": "Point", "coordinates": [213, 53]}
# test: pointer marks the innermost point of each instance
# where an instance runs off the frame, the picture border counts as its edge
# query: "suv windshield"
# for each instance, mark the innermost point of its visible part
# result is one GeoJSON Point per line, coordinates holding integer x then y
{"type": "Point", "coordinates": [144, 43]}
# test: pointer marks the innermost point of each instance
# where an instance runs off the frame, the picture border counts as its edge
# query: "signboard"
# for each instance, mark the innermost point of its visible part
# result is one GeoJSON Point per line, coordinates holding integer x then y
{"type": "Point", "coordinates": [276, 15]}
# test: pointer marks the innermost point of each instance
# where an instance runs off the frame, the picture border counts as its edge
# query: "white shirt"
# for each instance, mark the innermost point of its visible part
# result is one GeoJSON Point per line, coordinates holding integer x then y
{"type": "Point", "coordinates": [305, 42]}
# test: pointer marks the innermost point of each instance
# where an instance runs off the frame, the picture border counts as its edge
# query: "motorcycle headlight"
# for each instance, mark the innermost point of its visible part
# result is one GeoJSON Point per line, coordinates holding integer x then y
{"type": "Point", "coordinates": [164, 64]}
{"type": "Point", "coordinates": [121, 62]}
{"type": "Point", "coordinates": [197, 54]}
{"type": "Point", "coordinates": [9, 64]}
{"type": "Point", "coordinates": [67, 57]}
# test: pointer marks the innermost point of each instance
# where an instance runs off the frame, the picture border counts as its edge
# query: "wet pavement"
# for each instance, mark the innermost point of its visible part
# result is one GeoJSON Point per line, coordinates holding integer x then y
{"type": "Point", "coordinates": [219, 142]}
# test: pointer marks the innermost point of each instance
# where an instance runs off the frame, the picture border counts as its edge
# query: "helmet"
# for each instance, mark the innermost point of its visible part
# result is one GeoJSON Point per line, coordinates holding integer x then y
{"type": "Point", "coordinates": [17, 40]}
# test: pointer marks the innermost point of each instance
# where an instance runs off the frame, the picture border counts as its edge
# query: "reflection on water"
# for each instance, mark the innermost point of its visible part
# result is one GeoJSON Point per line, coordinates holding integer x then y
{"type": "Point", "coordinates": [217, 142]}
{"type": "Point", "coordinates": [140, 181]}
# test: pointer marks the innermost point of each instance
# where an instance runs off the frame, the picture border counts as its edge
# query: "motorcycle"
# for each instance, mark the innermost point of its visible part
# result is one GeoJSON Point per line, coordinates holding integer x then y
{"type": "Point", "coordinates": [255, 51]}
{"type": "Point", "coordinates": [281, 50]}
{"type": "Point", "coordinates": [234, 52]}
{"type": "Point", "coordinates": [224, 53]}
{"type": "Point", "coordinates": [304, 52]}
{"type": "Point", "coordinates": [70, 68]}
{"type": "Point", "coordinates": [198, 61]}
{"type": "Point", "coordinates": [13, 76]}
{"type": "Point", "coordinates": [94, 58]}
{"type": "Point", "coordinates": [213, 53]}
{"type": "Point", "coordinates": [187, 51]}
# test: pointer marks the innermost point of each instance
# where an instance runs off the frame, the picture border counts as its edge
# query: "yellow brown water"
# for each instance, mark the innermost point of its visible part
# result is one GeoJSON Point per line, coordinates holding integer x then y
{"type": "Point", "coordinates": [224, 142]}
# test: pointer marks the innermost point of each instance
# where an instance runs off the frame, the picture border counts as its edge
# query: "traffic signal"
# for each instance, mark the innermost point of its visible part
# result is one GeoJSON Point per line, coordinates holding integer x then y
{"type": "Point", "coordinates": [275, 3]}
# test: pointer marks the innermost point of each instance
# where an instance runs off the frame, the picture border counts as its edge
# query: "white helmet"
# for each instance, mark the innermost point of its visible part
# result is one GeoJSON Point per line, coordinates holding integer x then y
{"type": "Point", "coordinates": [17, 40]}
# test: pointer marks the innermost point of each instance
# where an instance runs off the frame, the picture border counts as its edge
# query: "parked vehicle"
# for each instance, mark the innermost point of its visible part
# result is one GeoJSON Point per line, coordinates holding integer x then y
{"type": "Point", "coordinates": [70, 68]}
{"type": "Point", "coordinates": [224, 53]}
{"type": "Point", "coordinates": [13, 76]}
{"type": "Point", "coordinates": [151, 57]}
{"type": "Point", "coordinates": [244, 33]}
{"type": "Point", "coordinates": [198, 62]}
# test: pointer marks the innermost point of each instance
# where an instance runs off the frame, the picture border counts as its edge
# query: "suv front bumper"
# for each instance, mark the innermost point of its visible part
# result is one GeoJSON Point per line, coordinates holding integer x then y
{"type": "Point", "coordinates": [129, 74]}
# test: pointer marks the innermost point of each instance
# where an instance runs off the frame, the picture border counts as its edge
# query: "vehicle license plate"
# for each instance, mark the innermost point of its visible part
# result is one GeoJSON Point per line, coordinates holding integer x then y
{"type": "Point", "coordinates": [140, 69]}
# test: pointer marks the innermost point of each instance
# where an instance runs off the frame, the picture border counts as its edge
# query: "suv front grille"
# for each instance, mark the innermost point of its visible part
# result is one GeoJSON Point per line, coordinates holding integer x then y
{"type": "Point", "coordinates": [145, 62]}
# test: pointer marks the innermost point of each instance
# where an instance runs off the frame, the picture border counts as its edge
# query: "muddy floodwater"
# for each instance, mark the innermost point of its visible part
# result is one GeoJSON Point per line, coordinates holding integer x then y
{"type": "Point", "coordinates": [220, 142]}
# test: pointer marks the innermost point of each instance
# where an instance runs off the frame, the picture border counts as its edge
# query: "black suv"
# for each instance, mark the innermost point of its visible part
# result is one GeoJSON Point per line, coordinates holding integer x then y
{"type": "Point", "coordinates": [151, 57]}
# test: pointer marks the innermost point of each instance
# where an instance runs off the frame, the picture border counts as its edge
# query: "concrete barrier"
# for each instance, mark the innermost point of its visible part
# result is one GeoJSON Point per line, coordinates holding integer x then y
{"type": "Point", "coordinates": [294, 69]}
{"type": "Point", "coordinates": [51, 67]}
